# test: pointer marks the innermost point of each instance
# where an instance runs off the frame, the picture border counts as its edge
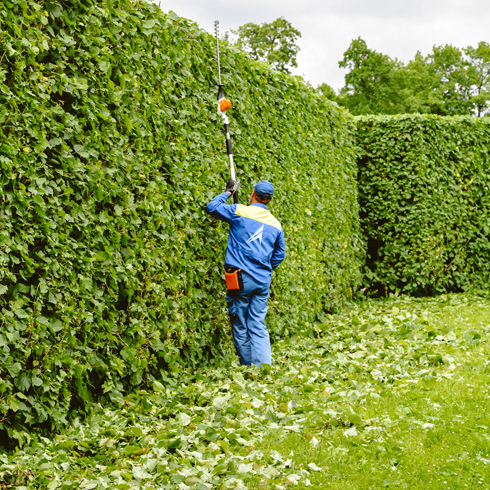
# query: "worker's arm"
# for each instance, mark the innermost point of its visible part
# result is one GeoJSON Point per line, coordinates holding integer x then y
{"type": "Point", "coordinates": [279, 251]}
{"type": "Point", "coordinates": [218, 209]}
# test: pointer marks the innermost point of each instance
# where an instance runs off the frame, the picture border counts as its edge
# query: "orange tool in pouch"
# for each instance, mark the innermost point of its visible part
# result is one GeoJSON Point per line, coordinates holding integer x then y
{"type": "Point", "coordinates": [234, 279]}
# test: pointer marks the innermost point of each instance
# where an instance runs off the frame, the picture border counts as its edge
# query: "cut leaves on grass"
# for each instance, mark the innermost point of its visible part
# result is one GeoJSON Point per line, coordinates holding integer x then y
{"type": "Point", "coordinates": [393, 393]}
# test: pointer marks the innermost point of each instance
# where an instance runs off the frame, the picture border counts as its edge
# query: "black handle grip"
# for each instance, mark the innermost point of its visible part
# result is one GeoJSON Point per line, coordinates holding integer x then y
{"type": "Point", "coordinates": [235, 197]}
{"type": "Point", "coordinates": [221, 93]}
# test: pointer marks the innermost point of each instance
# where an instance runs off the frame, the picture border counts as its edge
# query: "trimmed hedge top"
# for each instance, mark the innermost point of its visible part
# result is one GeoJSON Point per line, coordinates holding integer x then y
{"type": "Point", "coordinates": [424, 186]}
{"type": "Point", "coordinates": [110, 269]}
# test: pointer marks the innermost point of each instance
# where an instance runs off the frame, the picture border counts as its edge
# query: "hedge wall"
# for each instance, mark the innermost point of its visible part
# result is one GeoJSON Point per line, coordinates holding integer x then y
{"type": "Point", "coordinates": [424, 190]}
{"type": "Point", "coordinates": [110, 269]}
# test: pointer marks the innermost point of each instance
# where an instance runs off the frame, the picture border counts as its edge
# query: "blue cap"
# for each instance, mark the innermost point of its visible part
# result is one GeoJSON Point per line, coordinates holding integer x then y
{"type": "Point", "coordinates": [264, 189]}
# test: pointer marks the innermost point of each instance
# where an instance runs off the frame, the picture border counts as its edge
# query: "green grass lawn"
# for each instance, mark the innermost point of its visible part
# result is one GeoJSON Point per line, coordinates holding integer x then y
{"type": "Point", "coordinates": [391, 394]}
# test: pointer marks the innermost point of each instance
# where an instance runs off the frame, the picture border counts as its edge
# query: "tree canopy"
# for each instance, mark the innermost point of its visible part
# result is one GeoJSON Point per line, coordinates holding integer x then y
{"type": "Point", "coordinates": [274, 43]}
{"type": "Point", "coordinates": [326, 90]}
{"type": "Point", "coordinates": [369, 83]}
{"type": "Point", "coordinates": [448, 81]}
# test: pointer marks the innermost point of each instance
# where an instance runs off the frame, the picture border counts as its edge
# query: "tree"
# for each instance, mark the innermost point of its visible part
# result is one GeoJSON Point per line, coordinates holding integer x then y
{"type": "Point", "coordinates": [479, 72]}
{"type": "Point", "coordinates": [449, 81]}
{"type": "Point", "coordinates": [327, 91]}
{"type": "Point", "coordinates": [369, 87]}
{"type": "Point", "coordinates": [415, 84]}
{"type": "Point", "coordinates": [453, 86]}
{"type": "Point", "coordinates": [274, 43]}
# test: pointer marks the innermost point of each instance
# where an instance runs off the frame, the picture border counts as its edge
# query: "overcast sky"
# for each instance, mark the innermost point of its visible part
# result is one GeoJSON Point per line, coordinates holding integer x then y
{"type": "Point", "coordinates": [398, 28]}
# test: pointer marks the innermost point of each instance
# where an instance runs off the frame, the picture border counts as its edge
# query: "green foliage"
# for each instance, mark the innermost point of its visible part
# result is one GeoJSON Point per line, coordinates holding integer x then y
{"type": "Point", "coordinates": [110, 269]}
{"type": "Point", "coordinates": [479, 71]}
{"type": "Point", "coordinates": [369, 86]}
{"type": "Point", "coordinates": [448, 81]}
{"type": "Point", "coordinates": [424, 196]}
{"type": "Point", "coordinates": [327, 91]}
{"type": "Point", "coordinates": [274, 43]}
{"type": "Point", "coordinates": [399, 383]}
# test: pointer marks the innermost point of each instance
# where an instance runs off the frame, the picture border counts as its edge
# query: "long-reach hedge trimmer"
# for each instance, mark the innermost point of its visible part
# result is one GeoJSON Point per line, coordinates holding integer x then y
{"type": "Point", "coordinates": [223, 105]}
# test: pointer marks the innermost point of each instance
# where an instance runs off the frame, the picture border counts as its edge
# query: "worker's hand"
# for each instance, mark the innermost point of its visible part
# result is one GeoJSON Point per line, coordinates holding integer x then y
{"type": "Point", "coordinates": [232, 186]}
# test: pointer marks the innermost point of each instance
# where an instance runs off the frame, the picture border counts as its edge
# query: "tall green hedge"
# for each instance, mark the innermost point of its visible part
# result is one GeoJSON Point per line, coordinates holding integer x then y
{"type": "Point", "coordinates": [424, 190]}
{"type": "Point", "coordinates": [110, 147]}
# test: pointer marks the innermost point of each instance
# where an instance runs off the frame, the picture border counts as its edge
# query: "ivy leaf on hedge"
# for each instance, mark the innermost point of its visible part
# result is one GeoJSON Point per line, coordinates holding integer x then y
{"type": "Point", "coordinates": [81, 151]}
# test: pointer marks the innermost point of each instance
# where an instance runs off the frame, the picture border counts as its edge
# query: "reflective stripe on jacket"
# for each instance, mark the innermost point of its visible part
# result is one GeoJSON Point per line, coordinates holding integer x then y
{"type": "Point", "coordinates": [256, 240]}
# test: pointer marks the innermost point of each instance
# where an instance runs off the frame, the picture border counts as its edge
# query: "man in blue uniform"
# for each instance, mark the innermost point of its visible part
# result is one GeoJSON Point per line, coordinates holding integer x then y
{"type": "Point", "coordinates": [256, 246]}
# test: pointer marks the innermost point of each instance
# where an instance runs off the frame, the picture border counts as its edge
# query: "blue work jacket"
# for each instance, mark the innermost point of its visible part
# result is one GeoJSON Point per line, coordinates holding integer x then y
{"type": "Point", "coordinates": [256, 240]}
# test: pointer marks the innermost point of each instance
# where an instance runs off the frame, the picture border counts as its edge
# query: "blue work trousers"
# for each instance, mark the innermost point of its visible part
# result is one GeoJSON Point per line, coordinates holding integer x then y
{"type": "Point", "coordinates": [247, 309]}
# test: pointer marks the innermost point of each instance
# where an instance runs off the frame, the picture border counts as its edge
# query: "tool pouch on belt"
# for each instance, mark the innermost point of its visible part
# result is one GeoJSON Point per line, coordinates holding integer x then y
{"type": "Point", "coordinates": [234, 279]}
